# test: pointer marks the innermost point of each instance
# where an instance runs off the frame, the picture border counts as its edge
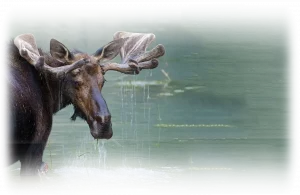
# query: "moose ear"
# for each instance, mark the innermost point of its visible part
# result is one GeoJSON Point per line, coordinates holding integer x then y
{"type": "Point", "coordinates": [60, 52]}
{"type": "Point", "coordinates": [110, 50]}
{"type": "Point", "coordinates": [27, 47]}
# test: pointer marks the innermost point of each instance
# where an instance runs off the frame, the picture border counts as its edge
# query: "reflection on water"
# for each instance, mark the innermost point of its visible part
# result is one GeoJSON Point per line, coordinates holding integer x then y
{"type": "Point", "coordinates": [214, 106]}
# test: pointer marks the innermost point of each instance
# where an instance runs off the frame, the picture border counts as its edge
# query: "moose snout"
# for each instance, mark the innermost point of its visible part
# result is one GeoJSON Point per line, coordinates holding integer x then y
{"type": "Point", "coordinates": [101, 127]}
{"type": "Point", "coordinates": [100, 124]}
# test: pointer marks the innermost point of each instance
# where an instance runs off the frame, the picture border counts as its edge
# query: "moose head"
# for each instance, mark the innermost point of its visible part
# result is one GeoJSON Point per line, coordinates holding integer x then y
{"type": "Point", "coordinates": [81, 76]}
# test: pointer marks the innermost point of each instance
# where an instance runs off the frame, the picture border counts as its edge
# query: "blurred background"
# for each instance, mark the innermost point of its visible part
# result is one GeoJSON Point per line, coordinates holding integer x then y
{"type": "Point", "coordinates": [220, 114]}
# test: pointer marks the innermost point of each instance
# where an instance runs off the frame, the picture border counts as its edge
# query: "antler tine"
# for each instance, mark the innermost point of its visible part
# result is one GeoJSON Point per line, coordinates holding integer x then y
{"type": "Point", "coordinates": [59, 71]}
{"type": "Point", "coordinates": [133, 55]}
{"type": "Point", "coordinates": [131, 67]}
{"type": "Point", "coordinates": [156, 52]}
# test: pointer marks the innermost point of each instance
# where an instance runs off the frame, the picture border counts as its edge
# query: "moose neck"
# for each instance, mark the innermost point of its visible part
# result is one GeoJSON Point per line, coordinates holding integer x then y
{"type": "Point", "coordinates": [55, 88]}
{"type": "Point", "coordinates": [60, 99]}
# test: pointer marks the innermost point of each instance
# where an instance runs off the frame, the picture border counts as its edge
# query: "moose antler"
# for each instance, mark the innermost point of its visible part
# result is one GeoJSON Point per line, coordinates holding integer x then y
{"type": "Point", "coordinates": [133, 53]}
{"type": "Point", "coordinates": [28, 50]}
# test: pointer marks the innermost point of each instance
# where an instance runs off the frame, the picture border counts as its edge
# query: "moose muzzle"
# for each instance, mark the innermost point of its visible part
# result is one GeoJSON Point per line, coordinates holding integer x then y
{"type": "Point", "coordinates": [100, 126]}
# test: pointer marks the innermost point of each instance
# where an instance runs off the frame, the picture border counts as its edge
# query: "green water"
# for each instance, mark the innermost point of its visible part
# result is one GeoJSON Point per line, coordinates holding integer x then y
{"type": "Point", "coordinates": [223, 111]}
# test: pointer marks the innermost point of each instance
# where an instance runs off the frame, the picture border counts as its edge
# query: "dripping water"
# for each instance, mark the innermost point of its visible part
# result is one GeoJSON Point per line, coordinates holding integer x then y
{"type": "Point", "coordinates": [102, 154]}
{"type": "Point", "coordinates": [149, 136]}
{"type": "Point", "coordinates": [159, 129]}
{"type": "Point", "coordinates": [123, 123]}
{"type": "Point", "coordinates": [144, 99]}
{"type": "Point", "coordinates": [148, 125]}
{"type": "Point", "coordinates": [135, 133]}
{"type": "Point", "coordinates": [131, 113]}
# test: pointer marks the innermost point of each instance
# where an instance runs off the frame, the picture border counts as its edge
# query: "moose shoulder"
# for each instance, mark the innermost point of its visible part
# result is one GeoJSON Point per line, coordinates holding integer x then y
{"type": "Point", "coordinates": [41, 84]}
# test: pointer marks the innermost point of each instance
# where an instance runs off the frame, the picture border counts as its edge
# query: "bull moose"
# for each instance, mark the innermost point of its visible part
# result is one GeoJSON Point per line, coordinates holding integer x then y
{"type": "Point", "coordinates": [42, 83]}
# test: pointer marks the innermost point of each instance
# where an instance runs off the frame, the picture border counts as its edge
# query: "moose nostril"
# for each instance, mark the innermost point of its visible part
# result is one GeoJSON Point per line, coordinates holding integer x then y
{"type": "Point", "coordinates": [103, 119]}
{"type": "Point", "coordinates": [108, 117]}
{"type": "Point", "coordinates": [100, 118]}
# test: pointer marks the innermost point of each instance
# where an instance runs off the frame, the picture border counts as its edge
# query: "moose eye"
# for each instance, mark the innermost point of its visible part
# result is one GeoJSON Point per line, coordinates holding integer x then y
{"type": "Point", "coordinates": [77, 84]}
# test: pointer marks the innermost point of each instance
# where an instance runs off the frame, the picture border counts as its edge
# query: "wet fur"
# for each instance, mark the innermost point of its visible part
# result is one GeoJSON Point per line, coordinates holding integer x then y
{"type": "Point", "coordinates": [34, 98]}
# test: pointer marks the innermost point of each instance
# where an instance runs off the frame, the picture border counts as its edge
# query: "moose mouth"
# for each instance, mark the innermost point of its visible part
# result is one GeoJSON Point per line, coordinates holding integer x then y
{"type": "Point", "coordinates": [100, 127]}
{"type": "Point", "coordinates": [101, 130]}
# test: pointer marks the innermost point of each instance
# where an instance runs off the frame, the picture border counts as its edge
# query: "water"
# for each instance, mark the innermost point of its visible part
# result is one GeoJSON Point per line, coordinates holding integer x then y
{"type": "Point", "coordinates": [220, 114]}
{"type": "Point", "coordinates": [102, 154]}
